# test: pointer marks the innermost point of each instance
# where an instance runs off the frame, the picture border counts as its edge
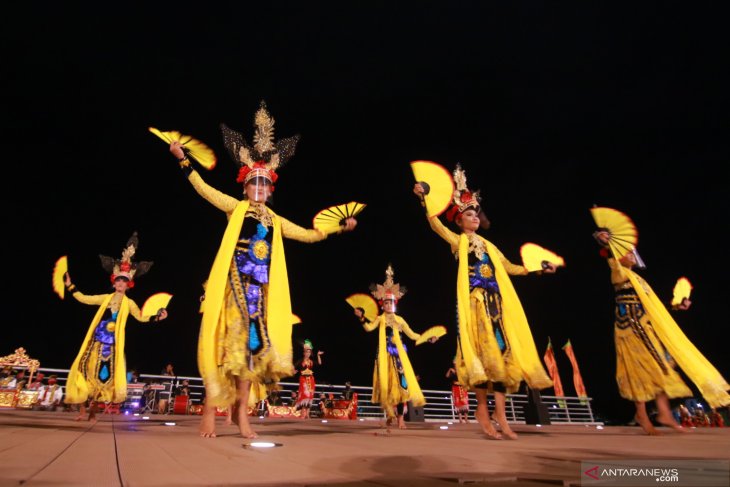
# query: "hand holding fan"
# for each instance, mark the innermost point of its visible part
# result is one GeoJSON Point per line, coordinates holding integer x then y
{"type": "Point", "coordinates": [330, 220]}
{"type": "Point", "coordinates": [155, 303]}
{"type": "Point", "coordinates": [682, 290]}
{"type": "Point", "coordinates": [534, 257]}
{"type": "Point", "coordinates": [59, 273]}
{"type": "Point", "coordinates": [437, 184]}
{"type": "Point", "coordinates": [434, 332]}
{"type": "Point", "coordinates": [366, 302]}
{"type": "Point", "coordinates": [192, 147]}
{"type": "Point", "coordinates": [623, 235]}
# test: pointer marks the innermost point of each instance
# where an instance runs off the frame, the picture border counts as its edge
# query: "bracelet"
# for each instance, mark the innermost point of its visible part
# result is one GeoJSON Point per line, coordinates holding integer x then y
{"type": "Point", "coordinates": [71, 288]}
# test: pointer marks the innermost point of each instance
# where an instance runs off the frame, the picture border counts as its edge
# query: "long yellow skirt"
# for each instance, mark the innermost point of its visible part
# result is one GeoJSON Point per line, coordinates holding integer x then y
{"type": "Point", "coordinates": [395, 394]}
{"type": "Point", "coordinates": [498, 365]}
{"type": "Point", "coordinates": [642, 368]}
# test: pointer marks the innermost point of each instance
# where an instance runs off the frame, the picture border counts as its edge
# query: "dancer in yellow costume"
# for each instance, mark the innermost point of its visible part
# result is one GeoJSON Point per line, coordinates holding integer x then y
{"type": "Point", "coordinates": [245, 335]}
{"type": "Point", "coordinates": [646, 336]}
{"type": "Point", "coordinates": [99, 371]}
{"type": "Point", "coordinates": [495, 349]}
{"type": "Point", "coordinates": [394, 382]}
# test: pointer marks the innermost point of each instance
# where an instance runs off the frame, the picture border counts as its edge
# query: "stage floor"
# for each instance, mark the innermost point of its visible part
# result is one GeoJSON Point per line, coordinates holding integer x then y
{"type": "Point", "coordinates": [50, 449]}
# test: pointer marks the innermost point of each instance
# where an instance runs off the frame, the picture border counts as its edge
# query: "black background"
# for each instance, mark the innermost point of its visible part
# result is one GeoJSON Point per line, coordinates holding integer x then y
{"type": "Point", "coordinates": [550, 108]}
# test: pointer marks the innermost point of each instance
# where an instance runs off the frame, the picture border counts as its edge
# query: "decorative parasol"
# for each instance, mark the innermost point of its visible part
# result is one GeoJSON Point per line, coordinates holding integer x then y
{"type": "Point", "coordinates": [59, 271]}
{"type": "Point", "coordinates": [366, 302]}
{"type": "Point", "coordinates": [623, 233]}
{"type": "Point", "coordinates": [534, 257]}
{"type": "Point", "coordinates": [434, 332]}
{"type": "Point", "coordinates": [437, 184]}
{"type": "Point", "coordinates": [191, 146]}
{"type": "Point", "coordinates": [682, 290]}
{"type": "Point", "coordinates": [330, 220]}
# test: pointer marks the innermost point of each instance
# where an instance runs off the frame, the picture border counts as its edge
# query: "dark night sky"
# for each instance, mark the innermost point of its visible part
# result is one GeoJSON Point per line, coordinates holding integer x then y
{"type": "Point", "coordinates": [549, 107]}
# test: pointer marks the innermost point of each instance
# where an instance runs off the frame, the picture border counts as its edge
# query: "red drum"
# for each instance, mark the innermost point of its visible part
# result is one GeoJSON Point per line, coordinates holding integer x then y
{"type": "Point", "coordinates": [181, 405]}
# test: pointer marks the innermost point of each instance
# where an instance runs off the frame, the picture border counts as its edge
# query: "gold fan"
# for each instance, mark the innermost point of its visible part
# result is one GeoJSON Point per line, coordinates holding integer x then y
{"type": "Point", "coordinates": [433, 332]}
{"type": "Point", "coordinates": [366, 302]}
{"type": "Point", "coordinates": [437, 183]}
{"type": "Point", "coordinates": [330, 219]}
{"type": "Point", "coordinates": [192, 147]}
{"type": "Point", "coordinates": [155, 303]}
{"type": "Point", "coordinates": [623, 233]}
{"type": "Point", "coordinates": [682, 290]}
{"type": "Point", "coordinates": [296, 320]}
{"type": "Point", "coordinates": [533, 257]}
{"type": "Point", "coordinates": [59, 271]}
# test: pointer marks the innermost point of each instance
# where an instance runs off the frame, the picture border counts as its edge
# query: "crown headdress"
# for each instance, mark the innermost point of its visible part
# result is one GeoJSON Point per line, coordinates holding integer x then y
{"type": "Point", "coordinates": [389, 289]}
{"type": "Point", "coordinates": [126, 267]}
{"type": "Point", "coordinates": [463, 199]}
{"type": "Point", "coordinates": [264, 157]}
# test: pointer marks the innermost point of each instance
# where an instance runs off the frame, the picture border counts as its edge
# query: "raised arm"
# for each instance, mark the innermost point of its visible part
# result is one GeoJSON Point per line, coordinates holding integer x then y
{"type": "Point", "coordinates": [218, 199]}
{"type": "Point", "coordinates": [96, 299]}
{"type": "Point", "coordinates": [436, 225]}
{"type": "Point", "coordinates": [407, 330]}
{"type": "Point", "coordinates": [295, 232]}
{"type": "Point", "coordinates": [512, 269]}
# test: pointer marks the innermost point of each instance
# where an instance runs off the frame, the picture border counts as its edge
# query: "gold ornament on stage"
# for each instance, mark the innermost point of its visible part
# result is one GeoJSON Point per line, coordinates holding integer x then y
{"type": "Point", "coordinates": [437, 184]}
{"type": "Point", "coordinates": [330, 220]}
{"type": "Point", "coordinates": [682, 290]}
{"type": "Point", "coordinates": [623, 235]}
{"type": "Point", "coordinates": [155, 304]}
{"type": "Point", "coordinates": [434, 332]}
{"type": "Point", "coordinates": [192, 147]}
{"type": "Point", "coordinates": [366, 302]}
{"type": "Point", "coordinates": [59, 271]}
{"type": "Point", "coordinates": [534, 257]}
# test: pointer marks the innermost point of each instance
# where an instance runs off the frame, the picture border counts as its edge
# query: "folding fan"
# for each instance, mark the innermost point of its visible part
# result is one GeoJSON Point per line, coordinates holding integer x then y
{"type": "Point", "coordinates": [433, 332]}
{"type": "Point", "coordinates": [330, 219]}
{"type": "Point", "coordinates": [155, 303]}
{"type": "Point", "coordinates": [623, 233]}
{"type": "Point", "coordinates": [366, 302]}
{"type": "Point", "coordinates": [59, 271]}
{"type": "Point", "coordinates": [682, 290]}
{"type": "Point", "coordinates": [296, 320]}
{"type": "Point", "coordinates": [192, 147]}
{"type": "Point", "coordinates": [533, 257]}
{"type": "Point", "coordinates": [437, 183]}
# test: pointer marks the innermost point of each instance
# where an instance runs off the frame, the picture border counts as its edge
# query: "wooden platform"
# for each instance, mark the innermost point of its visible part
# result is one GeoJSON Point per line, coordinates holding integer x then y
{"type": "Point", "coordinates": [50, 449]}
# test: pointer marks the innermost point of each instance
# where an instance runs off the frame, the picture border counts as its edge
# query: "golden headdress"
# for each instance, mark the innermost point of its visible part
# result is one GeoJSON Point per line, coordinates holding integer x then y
{"type": "Point", "coordinates": [463, 199]}
{"type": "Point", "coordinates": [125, 267]}
{"type": "Point", "coordinates": [264, 157]}
{"type": "Point", "coordinates": [389, 289]}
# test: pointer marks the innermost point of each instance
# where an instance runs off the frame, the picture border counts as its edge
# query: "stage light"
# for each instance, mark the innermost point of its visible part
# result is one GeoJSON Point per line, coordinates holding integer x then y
{"type": "Point", "coordinates": [443, 427]}
{"type": "Point", "coordinates": [145, 417]}
{"type": "Point", "coordinates": [324, 420]}
{"type": "Point", "coordinates": [261, 444]}
{"type": "Point", "coordinates": [136, 414]}
{"type": "Point", "coordinates": [169, 423]}
{"type": "Point", "coordinates": [538, 425]}
{"type": "Point", "coordinates": [599, 427]}
{"type": "Point", "coordinates": [449, 422]}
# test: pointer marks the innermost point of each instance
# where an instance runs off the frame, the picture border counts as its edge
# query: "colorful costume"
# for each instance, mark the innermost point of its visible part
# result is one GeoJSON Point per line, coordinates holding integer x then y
{"type": "Point", "coordinates": [494, 344]}
{"type": "Point", "coordinates": [394, 381]}
{"type": "Point", "coordinates": [99, 371]}
{"type": "Point", "coordinates": [305, 394]}
{"type": "Point", "coordinates": [247, 318]}
{"type": "Point", "coordinates": [459, 394]}
{"type": "Point", "coordinates": [646, 336]}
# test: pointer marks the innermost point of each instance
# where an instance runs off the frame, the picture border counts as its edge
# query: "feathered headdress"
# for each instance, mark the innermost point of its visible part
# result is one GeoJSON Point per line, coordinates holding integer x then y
{"type": "Point", "coordinates": [125, 267]}
{"type": "Point", "coordinates": [387, 290]}
{"type": "Point", "coordinates": [265, 156]}
{"type": "Point", "coordinates": [463, 199]}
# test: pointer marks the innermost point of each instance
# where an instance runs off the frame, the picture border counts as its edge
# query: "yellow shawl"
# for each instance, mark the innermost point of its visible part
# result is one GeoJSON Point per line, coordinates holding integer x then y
{"type": "Point", "coordinates": [220, 389]}
{"type": "Point", "coordinates": [414, 390]}
{"type": "Point", "coordinates": [77, 390]}
{"type": "Point", "coordinates": [515, 322]}
{"type": "Point", "coordinates": [708, 380]}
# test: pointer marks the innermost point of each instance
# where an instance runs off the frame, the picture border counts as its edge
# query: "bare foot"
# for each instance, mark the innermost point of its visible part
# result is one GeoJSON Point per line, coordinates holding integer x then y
{"type": "Point", "coordinates": [649, 428]}
{"type": "Point", "coordinates": [207, 423]}
{"type": "Point", "coordinates": [241, 415]}
{"type": "Point", "coordinates": [669, 421]}
{"type": "Point", "coordinates": [80, 417]}
{"type": "Point", "coordinates": [401, 423]}
{"type": "Point", "coordinates": [506, 430]}
{"type": "Point", "coordinates": [487, 426]}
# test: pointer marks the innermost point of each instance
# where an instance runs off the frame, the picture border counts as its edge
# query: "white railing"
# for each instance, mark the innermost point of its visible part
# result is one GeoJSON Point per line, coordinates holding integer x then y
{"type": "Point", "coordinates": [439, 405]}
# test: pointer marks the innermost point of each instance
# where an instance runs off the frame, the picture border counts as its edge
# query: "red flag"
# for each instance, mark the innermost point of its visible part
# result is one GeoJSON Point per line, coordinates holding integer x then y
{"type": "Point", "coordinates": [552, 367]}
{"type": "Point", "coordinates": [580, 389]}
